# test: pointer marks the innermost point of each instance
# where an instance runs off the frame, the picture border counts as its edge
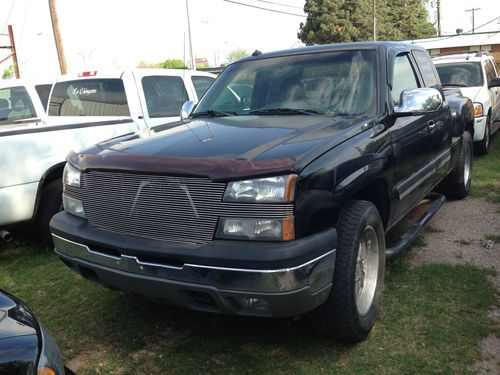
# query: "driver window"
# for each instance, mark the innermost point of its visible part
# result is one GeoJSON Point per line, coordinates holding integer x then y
{"type": "Point", "coordinates": [403, 77]}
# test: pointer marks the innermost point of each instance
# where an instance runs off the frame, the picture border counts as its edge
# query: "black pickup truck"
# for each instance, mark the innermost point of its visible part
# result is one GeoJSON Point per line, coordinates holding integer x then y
{"type": "Point", "coordinates": [272, 197]}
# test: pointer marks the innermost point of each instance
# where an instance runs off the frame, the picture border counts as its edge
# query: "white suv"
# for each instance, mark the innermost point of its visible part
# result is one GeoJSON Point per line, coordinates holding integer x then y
{"type": "Point", "coordinates": [476, 76]}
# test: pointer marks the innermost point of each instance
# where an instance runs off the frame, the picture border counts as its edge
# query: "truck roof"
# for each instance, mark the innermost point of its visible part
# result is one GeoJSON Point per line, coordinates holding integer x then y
{"type": "Point", "coordinates": [118, 73]}
{"type": "Point", "coordinates": [334, 47]}
{"type": "Point", "coordinates": [461, 57]}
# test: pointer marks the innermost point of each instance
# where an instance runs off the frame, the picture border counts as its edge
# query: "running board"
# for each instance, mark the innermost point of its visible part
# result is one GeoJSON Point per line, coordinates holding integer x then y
{"type": "Point", "coordinates": [407, 238]}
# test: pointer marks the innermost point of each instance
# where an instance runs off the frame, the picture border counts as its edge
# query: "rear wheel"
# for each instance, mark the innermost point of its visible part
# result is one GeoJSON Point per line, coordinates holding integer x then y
{"type": "Point", "coordinates": [50, 204]}
{"type": "Point", "coordinates": [352, 306]}
{"type": "Point", "coordinates": [483, 147]}
{"type": "Point", "coordinates": [457, 184]}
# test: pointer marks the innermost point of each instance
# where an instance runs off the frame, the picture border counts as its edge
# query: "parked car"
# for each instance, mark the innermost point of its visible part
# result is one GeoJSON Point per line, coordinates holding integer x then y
{"type": "Point", "coordinates": [274, 196]}
{"type": "Point", "coordinates": [26, 347]}
{"type": "Point", "coordinates": [476, 76]}
{"type": "Point", "coordinates": [83, 110]}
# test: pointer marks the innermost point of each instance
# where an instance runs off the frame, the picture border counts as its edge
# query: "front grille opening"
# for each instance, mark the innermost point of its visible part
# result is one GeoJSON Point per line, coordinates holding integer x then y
{"type": "Point", "coordinates": [203, 298]}
{"type": "Point", "coordinates": [169, 262]}
{"type": "Point", "coordinates": [106, 251]}
{"type": "Point", "coordinates": [88, 274]}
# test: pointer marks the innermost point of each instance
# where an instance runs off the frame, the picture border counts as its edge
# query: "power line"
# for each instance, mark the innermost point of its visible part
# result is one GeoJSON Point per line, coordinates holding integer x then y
{"type": "Point", "coordinates": [267, 9]}
{"type": "Point", "coordinates": [8, 15]}
{"type": "Point", "coordinates": [281, 4]}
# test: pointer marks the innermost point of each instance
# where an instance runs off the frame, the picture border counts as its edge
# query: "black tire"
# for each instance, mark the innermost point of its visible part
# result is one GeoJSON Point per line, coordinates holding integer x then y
{"type": "Point", "coordinates": [457, 184]}
{"type": "Point", "coordinates": [50, 204]}
{"type": "Point", "coordinates": [483, 147]}
{"type": "Point", "coordinates": [341, 316]}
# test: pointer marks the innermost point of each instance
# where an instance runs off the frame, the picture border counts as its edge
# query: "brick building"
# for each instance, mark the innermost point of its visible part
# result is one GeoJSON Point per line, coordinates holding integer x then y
{"type": "Point", "coordinates": [462, 43]}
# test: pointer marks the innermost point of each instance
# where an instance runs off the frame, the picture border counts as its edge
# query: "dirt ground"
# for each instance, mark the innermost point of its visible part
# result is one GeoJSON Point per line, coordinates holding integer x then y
{"type": "Point", "coordinates": [457, 234]}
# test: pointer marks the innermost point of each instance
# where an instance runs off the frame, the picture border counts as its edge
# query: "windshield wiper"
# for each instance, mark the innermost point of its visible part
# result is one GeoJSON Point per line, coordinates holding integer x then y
{"type": "Point", "coordinates": [213, 113]}
{"type": "Point", "coordinates": [284, 111]}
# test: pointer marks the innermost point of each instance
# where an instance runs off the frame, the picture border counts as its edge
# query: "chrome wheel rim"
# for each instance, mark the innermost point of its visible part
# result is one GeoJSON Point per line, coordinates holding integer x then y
{"type": "Point", "coordinates": [467, 165]}
{"type": "Point", "coordinates": [367, 264]}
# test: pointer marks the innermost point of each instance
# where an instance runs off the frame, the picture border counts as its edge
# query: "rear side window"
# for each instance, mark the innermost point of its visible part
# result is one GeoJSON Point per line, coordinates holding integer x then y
{"type": "Point", "coordinates": [15, 104]}
{"type": "Point", "coordinates": [43, 92]}
{"type": "Point", "coordinates": [490, 71]}
{"type": "Point", "coordinates": [201, 84]}
{"type": "Point", "coordinates": [89, 97]}
{"type": "Point", "coordinates": [403, 77]}
{"type": "Point", "coordinates": [461, 74]}
{"type": "Point", "coordinates": [164, 95]}
{"type": "Point", "coordinates": [425, 66]}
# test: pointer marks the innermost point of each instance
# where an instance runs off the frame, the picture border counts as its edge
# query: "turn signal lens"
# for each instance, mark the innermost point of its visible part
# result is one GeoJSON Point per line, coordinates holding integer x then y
{"type": "Point", "coordinates": [478, 109]}
{"type": "Point", "coordinates": [46, 371]}
{"type": "Point", "coordinates": [256, 229]}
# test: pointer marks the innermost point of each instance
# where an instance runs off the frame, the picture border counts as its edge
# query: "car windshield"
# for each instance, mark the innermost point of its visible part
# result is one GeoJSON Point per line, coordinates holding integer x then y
{"type": "Point", "coordinates": [340, 83]}
{"type": "Point", "coordinates": [466, 74]}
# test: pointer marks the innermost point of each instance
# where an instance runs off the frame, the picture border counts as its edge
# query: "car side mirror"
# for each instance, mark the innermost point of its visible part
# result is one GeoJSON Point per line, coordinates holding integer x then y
{"type": "Point", "coordinates": [495, 82]}
{"type": "Point", "coordinates": [186, 109]}
{"type": "Point", "coordinates": [419, 101]}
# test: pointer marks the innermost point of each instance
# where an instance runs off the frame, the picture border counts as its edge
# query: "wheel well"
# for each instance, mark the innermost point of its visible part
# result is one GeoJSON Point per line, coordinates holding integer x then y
{"type": "Point", "coordinates": [51, 174]}
{"type": "Point", "coordinates": [470, 128]}
{"type": "Point", "coordinates": [376, 193]}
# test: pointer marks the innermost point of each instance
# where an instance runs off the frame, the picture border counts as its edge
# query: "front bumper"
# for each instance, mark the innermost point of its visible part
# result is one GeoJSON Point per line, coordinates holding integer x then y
{"type": "Point", "coordinates": [232, 277]}
{"type": "Point", "coordinates": [479, 127]}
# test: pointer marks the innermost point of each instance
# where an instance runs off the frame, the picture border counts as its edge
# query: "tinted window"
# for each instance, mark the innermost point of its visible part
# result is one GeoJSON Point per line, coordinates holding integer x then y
{"type": "Point", "coordinates": [426, 68]}
{"type": "Point", "coordinates": [201, 84]}
{"type": "Point", "coordinates": [403, 77]}
{"type": "Point", "coordinates": [43, 92]}
{"type": "Point", "coordinates": [466, 74]}
{"type": "Point", "coordinates": [333, 83]}
{"type": "Point", "coordinates": [490, 71]}
{"type": "Point", "coordinates": [89, 97]}
{"type": "Point", "coordinates": [15, 104]}
{"type": "Point", "coordinates": [164, 95]}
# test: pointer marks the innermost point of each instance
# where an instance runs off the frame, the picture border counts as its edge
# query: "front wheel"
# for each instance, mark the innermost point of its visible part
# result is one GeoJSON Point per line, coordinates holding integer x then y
{"type": "Point", "coordinates": [352, 306]}
{"type": "Point", "coordinates": [483, 146]}
{"type": "Point", "coordinates": [457, 184]}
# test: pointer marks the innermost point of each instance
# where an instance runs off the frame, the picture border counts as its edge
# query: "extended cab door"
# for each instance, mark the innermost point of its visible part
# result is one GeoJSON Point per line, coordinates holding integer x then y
{"type": "Point", "coordinates": [493, 91]}
{"type": "Point", "coordinates": [413, 143]}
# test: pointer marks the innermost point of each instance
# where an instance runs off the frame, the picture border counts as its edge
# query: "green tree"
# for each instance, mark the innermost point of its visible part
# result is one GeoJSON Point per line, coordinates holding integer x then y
{"type": "Point", "coordinates": [173, 64]}
{"type": "Point", "coordinates": [236, 54]}
{"type": "Point", "coordinates": [8, 72]}
{"type": "Point", "coordinates": [336, 21]}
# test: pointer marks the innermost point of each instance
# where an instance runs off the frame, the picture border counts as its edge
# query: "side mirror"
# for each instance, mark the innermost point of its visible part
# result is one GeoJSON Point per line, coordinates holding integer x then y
{"type": "Point", "coordinates": [419, 101]}
{"type": "Point", "coordinates": [186, 109]}
{"type": "Point", "coordinates": [495, 82]}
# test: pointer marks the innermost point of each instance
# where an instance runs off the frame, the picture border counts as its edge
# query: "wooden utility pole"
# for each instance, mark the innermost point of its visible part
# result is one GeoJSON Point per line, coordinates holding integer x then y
{"type": "Point", "coordinates": [13, 52]}
{"type": "Point", "coordinates": [374, 19]}
{"type": "Point", "coordinates": [193, 62]}
{"type": "Point", "coordinates": [438, 13]}
{"type": "Point", "coordinates": [473, 10]}
{"type": "Point", "coordinates": [57, 36]}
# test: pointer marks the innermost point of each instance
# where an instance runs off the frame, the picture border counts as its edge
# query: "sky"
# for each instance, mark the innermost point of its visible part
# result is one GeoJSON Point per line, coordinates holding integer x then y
{"type": "Point", "coordinates": [103, 34]}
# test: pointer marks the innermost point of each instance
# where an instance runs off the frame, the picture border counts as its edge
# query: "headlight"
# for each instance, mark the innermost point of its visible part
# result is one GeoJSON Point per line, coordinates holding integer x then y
{"type": "Point", "coordinates": [270, 190]}
{"type": "Point", "coordinates": [50, 362]}
{"type": "Point", "coordinates": [256, 229]}
{"type": "Point", "coordinates": [478, 109]}
{"type": "Point", "coordinates": [71, 175]}
{"type": "Point", "coordinates": [73, 206]}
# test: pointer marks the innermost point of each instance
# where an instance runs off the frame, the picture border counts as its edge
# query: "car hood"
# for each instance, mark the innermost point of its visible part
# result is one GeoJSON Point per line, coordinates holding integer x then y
{"type": "Point", "coordinates": [471, 92]}
{"type": "Point", "coordinates": [224, 147]}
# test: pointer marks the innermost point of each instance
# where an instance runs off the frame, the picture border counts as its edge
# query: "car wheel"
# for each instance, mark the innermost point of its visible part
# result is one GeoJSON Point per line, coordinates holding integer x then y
{"type": "Point", "coordinates": [457, 184]}
{"type": "Point", "coordinates": [352, 306]}
{"type": "Point", "coordinates": [50, 204]}
{"type": "Point", "coordinates": [483, 147]}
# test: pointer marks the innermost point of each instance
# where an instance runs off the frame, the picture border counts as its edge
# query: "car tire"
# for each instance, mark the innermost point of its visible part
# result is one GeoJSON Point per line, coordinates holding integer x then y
{"type": "Point", "coordinates": [50, 204]}
{"type": "Point", "coordinates": [352, 306]}
{"type": "Point", "coordinates": [483, 146]}
{"type": "Point", "coordinates": [457, 184]}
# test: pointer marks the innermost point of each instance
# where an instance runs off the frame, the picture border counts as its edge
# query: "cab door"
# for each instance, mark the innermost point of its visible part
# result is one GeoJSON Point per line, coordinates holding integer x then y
{"type": "Point", "coordinates": [413, 143]}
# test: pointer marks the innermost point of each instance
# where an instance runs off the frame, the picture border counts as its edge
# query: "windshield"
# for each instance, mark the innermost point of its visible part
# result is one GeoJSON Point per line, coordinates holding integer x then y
{"type": "Point", "coordinates": [466, 74]}
{"type": "Point", "coordinates": [332, 83]}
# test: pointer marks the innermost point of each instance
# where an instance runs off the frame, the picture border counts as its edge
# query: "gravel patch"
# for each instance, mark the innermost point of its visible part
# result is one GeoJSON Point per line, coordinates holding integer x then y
{"type": "Point", "coordinates": [457, 234]}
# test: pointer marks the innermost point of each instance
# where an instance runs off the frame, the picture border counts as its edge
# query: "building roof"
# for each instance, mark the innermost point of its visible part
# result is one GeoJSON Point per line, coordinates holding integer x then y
{"type": "Point", "coordinates": [459, 40]}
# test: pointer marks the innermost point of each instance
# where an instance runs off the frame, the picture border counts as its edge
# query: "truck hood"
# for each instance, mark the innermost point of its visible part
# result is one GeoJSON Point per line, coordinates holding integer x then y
{"type": "Point", "coordinates": [471, 92]}
{"type": "Point", "coordinates": [222, 148]}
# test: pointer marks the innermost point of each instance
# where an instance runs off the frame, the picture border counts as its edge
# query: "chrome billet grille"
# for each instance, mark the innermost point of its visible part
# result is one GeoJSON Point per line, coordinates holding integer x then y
{"type": "Point", "coordinates": [167, 208]}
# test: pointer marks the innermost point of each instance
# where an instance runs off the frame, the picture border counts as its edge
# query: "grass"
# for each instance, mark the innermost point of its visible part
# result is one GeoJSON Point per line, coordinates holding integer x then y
{"type": "Point", "coordinates": [486, 173]}
{"type": "Point", "coordinates": [432, 319]}
{"type": "Point", "coordinates": [493, 237]}
{"type": "Point", "coordinates": [463, 242]}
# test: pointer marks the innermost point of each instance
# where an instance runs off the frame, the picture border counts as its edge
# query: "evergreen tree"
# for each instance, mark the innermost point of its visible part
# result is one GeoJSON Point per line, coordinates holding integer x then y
{"type": "Point", "coordinates": [335, 21]}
